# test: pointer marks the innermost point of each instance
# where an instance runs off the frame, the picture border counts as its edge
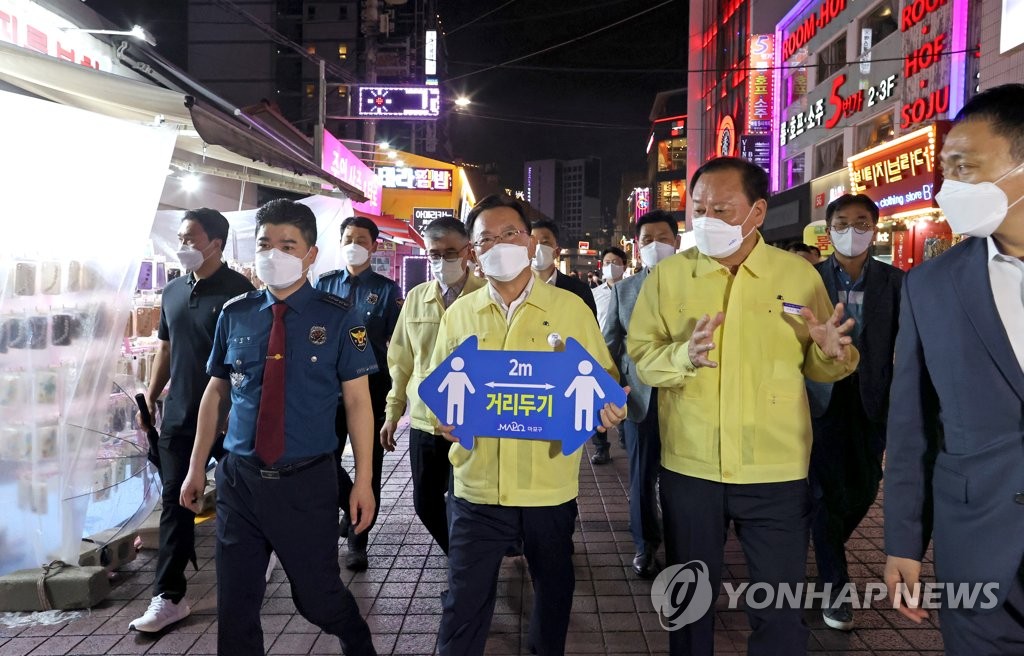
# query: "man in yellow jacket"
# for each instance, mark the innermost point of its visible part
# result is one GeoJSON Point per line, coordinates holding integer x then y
{"type": "Point", "coordinates": [409, 352]}
{"type": "Point", "coordinates": [736, 433]}
{"type": "Point", "coordinates": [507, 490]}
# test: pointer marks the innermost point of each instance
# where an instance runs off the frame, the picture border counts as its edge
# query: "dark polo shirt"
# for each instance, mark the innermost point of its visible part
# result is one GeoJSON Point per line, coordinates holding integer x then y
{"type": "Point", "coordinates": [188, 318]}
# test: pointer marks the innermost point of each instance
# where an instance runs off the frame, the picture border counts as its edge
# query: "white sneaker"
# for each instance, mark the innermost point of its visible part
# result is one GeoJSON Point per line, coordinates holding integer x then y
{"type": "Point", "coordinates": [271, 565]}
{"type": "Point", "coordinates": [160, 614]}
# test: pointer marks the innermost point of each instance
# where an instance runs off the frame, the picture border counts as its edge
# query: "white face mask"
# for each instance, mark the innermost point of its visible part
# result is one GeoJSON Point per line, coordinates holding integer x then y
{"type": "Point", "coordinates": [851, 243]}
{"type": "Point", "coordinates": [447, 273]}
{"type": "Point", "coordinates": [544, 257]}
{"type": "Point", "coordinates": [716, 238]}
{"type": "Point", "coordinates": [354, 254]}
{"type": "Point", "coordinates": [975, 209]}
{"type": "Point", "coordinates": [504, 261]}
{"type": "Point", "coordinates": [655, 252]}
{"type": "Point", "coordinates": [277, 268]}
{"type": "Point", "coordinates": [191, 259]}
{"type": "Point", "coordinates": [613, 271]}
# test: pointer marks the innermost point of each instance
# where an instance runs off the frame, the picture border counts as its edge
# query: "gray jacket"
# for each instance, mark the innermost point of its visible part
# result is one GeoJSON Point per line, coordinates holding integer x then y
{"type": "Point", "coordinates": [620, 309]}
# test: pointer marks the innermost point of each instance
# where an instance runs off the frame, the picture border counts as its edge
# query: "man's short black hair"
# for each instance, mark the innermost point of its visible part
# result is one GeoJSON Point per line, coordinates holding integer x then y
{"type": "Point", "coordinates": [213, 223]}
{"type": "Point", "coordinates": [815, 250]}
{"type": "Point", "coordinates": [283, 211]}
{"type": "Point", "coordinates": [798, 247]}
{"type": "Point", "coordinates": [617, 252]}
{"type": "Point", "coordinates": [361, 222]}
{"type": "Point", "coordinates": [847, 200]}
{"type": "Point", "coordinates": [548, 224]}
{"type": "Point", "coordinates": [491, 202]}
{"type": "Point", "coordinates": [755, 179]}
{"type": "Point", "coordinates": [1003, 107]}
{"type": "Point", "coordinates": [444, 226]}
{"type": "Point", "coordinates": [656, 216]}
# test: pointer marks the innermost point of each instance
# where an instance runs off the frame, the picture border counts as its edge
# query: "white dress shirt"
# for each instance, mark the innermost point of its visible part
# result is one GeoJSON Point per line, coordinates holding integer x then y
{"type": "Point", "coordinates": [602, 298]}
{"type": "Point", "coordinates": [510, 309]}
{"type": "Point", "coordinates": [1007, 277]}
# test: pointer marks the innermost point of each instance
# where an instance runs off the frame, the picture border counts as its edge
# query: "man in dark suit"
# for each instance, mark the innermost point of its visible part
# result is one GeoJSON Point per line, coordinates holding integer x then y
{"type": "Point", "coordinates": [848, 417]}
{"type": "Point", "coordinates": [955, 458]}
{"type": "Point", "coordinates": [643, 438]}
{"type": "Point", "coordinates": [545, 263]}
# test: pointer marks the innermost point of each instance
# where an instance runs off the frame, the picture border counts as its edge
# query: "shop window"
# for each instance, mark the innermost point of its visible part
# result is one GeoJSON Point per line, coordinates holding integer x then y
{"type": "Point", "coordinates": [796, 170]}
{"type": "Point", "coordinates": [880, 23]}
{"type": "Point", "coordinates": [311, 49]}
{"type": "Point", "coordinates": [310, 90]}
{"type": "Point", "coordinates": [671, 196]}
{"type": "Point", "coordinates": [832, 58]}
{"type": "Point", "coordinates": [342, 51]}
{"type": "Point", "coordinates": [342, 91]}
{"type": "Point", "coordinates": [876, 131]}
{"type": "Point", "coordinates": [828, 157]}
{"type": "Point", "coordinates": [672, 155]}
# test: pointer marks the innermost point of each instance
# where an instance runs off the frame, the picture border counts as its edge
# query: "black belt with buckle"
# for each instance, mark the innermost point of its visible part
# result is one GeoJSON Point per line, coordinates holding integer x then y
{"type": "Point", "coordinates": [274, 473]}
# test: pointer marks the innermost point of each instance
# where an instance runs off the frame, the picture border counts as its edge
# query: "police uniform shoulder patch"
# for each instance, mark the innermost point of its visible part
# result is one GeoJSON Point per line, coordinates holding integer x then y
{"type": "Point", "coordinates": [328, 274]}
{"type": "Point", "coordinates": [335, 300]}
{"type": "Point", "coordinates": [358, 336]}
{"type": "Point", "coordinates": [235, 299]}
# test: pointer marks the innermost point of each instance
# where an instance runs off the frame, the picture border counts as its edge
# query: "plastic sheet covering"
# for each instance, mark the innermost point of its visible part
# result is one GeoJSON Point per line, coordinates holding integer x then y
{"type": "Point", "coordinates": [78, 195]}
{"type": "Point", "coordinates": [241, 246]}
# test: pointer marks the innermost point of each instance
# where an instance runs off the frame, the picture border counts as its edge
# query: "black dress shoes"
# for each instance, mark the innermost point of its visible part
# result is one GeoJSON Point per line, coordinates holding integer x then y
{"type": "Point", "coordinates": [645, 565]}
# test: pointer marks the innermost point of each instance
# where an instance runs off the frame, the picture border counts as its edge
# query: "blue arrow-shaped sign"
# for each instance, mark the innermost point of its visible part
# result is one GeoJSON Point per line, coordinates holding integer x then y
{"type": "Point", "coordinates": [530, 395]}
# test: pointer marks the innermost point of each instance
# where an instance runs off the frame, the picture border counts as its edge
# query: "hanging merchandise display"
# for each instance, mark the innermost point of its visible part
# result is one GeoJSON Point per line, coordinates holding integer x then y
{"type": "Point", "coordinates": [76, 208]}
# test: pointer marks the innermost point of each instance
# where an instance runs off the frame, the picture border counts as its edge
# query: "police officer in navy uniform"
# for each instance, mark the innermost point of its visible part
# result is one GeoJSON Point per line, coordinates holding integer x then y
{"type": "Point", "coordinates": [280, 357]}
{"type": "Point", "coordinates": [376, 300]}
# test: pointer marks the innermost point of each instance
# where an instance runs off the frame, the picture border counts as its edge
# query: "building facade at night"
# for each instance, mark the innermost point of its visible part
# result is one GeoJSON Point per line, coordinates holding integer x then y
{"type": "Point", "coordinates": [568, 191]}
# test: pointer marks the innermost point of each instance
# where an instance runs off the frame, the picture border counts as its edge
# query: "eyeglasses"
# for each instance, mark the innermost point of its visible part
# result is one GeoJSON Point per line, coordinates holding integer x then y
{"type": "Point", "coordinates": [487, 241]}
{"type": "Point", "coordinates": [450, 255]}
{"type": "Point", "coordinates": [860, 228]}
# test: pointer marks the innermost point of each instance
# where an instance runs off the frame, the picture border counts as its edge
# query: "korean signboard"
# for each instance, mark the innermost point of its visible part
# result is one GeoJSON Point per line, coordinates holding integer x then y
{"type": "Point", "coordinates": [342, 164]}
{"type": "Point", "coordinates": [422, 216]}
{"type": "Point", "coordinates": [420, 179]}
{"type": "Point", "coordinates": [406, 102]}
{"type": "Point", "coordinates": [761, 56]}
{"type": "Point", "coordinates": [900, 176]}
{"type": "Point", "coordinates": [757, 148]}
{"type": "Point", "coordinates": [934, 35]}
{"type": "Point", "coordinates": [826, 189]}
{"type": "Point", "coordinates": [528, 395]}
{"type": "Point", "coordinates": [29, 25]}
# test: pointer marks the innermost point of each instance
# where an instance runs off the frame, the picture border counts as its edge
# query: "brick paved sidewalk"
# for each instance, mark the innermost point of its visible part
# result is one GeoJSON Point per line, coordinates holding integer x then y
{"type": "Point", "coordinates": [399, 593]}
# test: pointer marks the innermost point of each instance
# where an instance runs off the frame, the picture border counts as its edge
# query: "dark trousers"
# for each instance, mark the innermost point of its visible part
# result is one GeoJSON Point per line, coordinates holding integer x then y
{"type": "Point", "coordinates": [431, 469]}
{"type": "Point", "coordinates": [480, 535]}
{"type": "Point", "coordinates": [994, 633]}
{"type": "Point", "coordinates": [643, 446]}
{"type": "Point", "coordinates": [771, 522]}
{"type": "Point", "coordinates": [296, 517]}
{"type": "Point", "coordinates": [844, 476]}
{"type": "Point", "coordinates": [380, 385]}
{"type": "Point", "coordinates": [600, 440]}
{"type": "Point", "coordinates": [177, 524]}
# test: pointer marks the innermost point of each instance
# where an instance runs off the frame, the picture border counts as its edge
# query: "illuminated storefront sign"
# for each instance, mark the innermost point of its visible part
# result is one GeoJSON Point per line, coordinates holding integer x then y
{"type": "Point", "coordinates": [405, 177]}
{"type": "Point", "coordinates": [641, 202]}
{"type": "Point", "coordinates": [430, 53]}
{"type": "Point", "coordinates": [900, 176]}
{"type": "Point", "coordinates": [934, 59]}
{"type": "Point", "coordinates": [826, 189]}
{"type": "Point", "coordinates": [760, 55]}
{"type": "Point", "coordinates": [399, 102]}
{"type": "Point", "coordinates": [726, 141]}
{"type": "Point", "coordinates": [342, 164]}
{"type": "Point", "coordinates": [757, 148]}
{"type": "Point", "coordinates": [30, 26]}
{"type": "Point", "coordinates": [808, 28]}
{"type": "Point", "coordinates": [837, 107]}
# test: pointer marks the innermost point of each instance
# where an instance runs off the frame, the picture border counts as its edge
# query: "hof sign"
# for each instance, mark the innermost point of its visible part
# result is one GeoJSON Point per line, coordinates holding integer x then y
{"type": "Point", "coordinates": [528, 395]}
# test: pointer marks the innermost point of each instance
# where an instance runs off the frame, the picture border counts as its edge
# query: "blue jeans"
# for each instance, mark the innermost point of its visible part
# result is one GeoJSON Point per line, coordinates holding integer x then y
{"type": "Point", "coordinates": [643, 446]}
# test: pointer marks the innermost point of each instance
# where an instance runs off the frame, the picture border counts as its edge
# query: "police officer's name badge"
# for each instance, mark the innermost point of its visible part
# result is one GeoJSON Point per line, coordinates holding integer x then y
{"type": "Point", "coordinates": [318, 335]}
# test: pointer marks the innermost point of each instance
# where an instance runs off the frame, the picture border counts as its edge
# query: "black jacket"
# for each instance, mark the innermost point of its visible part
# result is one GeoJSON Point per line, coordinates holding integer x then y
{"type": "Point", "coordinates": [882, 287]}
{"type": "Point", "coordinates": [578, 287]}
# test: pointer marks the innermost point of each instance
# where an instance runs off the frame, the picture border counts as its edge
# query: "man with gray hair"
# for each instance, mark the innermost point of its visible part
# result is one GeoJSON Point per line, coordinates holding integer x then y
{"type": "Point", "coordinates": [408, 361]}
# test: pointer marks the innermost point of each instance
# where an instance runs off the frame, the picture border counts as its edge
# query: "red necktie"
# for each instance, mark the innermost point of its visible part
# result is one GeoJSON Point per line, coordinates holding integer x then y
{"type": "Point", "coordinates": [270, 421]}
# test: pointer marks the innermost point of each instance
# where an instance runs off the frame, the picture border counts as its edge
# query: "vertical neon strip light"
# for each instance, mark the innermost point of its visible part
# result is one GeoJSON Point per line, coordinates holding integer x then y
{"type": "Point", "coordinates": [958, 62]}
{"type": "Point", "coordinates": [776, 157]}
